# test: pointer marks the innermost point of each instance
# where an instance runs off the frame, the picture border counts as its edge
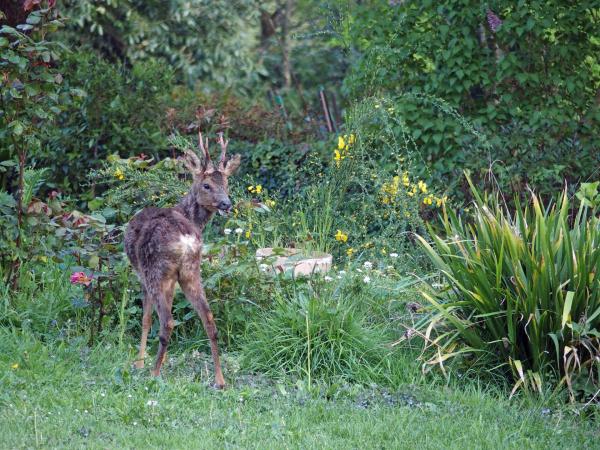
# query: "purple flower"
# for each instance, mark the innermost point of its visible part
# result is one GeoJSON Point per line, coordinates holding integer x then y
{"type": "Point", "coordinates": [493, 21]}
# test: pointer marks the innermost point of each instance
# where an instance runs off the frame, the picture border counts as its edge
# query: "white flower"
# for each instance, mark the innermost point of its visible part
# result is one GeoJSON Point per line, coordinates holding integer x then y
{"type": "Point", "coordinates": [151, 403]}
{"type": "Point", "coordinates": [327, 278]}
{"type": "Point", "coordinates": [390, 267]}
{"type": "Point", "coordinates": [393, 255]}
{"type": "Point", "coordinates": [339, 277]}
{"type": "Point", "coordinates": [367, 279]}
{"type": "Point", "coordinates": [263, 267]}
{"type": "Point", "coordinates": [227, 231]}
{"type": "Point", "coordinates": [368, 265]}
{"type": "Point", "coordinates": [359, 271]}
{"type": "Point", "coordinates": [239, 230]}
{"type": "Point", "coordinates": [342, 272]}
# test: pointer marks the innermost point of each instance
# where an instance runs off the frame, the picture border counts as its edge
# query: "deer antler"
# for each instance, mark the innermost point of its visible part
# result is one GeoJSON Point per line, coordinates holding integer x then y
{"type": "Point", "coordinates": [222, 158]}
{"type": "Point", "coordinates": [203, 145]}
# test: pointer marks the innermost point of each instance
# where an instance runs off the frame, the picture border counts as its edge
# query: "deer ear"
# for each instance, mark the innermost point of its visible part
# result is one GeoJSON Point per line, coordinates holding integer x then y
{"type": "Point", "coordinates": [232, 164]}
{"type": "Point", "coordinates": [192, 163]}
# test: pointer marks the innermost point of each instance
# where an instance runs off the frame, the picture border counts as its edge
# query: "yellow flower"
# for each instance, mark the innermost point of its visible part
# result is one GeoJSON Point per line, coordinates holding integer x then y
{"type": "Point", "coordinates": [350, 252]}
{"type": "Point", "coordinates": [438, 202]}
{"type": "Point", "coordinates": [351, 139]}
{"type": "Point", "coordinates": [119, 175]}
{"type": "Point", "coordinates": [255, 189]}
{"type": "Point", "coordinates": [270, 203]}
{"type": "Point", "coordinates": [248, 234]}
{"type": "Point", "coordinates": [405, 179]}
{"type": "Point", "coordinates": [428, 200]}
{"type": "Point", "coordinates": [423, 186]}
{"type": "Point", "coordinates": [337, 155]}
{"type": "Point", "coordinates": [341, 236]}
{"type": "Point", "coordinates": [341, 143]}
{"type": "Point", "coordinates": [14, 366]}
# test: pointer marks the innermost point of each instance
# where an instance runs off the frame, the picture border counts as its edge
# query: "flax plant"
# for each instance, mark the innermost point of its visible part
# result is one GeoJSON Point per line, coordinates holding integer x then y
{"type": "Point", "coordinates": [524, 290]}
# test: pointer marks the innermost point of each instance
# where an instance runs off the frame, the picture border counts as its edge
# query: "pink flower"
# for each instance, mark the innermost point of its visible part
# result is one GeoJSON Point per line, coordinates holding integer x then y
{"type": "Point", "coordinates": [80, 278]}
{"type": "Point", "coordinates": [493, 21]}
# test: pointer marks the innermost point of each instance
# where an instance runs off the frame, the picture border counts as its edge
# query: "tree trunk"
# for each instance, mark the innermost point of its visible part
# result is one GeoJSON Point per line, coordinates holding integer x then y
{"type": "Point", "coordinates": [285, 44]}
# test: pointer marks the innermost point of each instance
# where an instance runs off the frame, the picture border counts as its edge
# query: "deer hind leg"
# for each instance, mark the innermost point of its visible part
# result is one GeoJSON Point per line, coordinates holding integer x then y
{"type": "Point", "coordinates": [163, 307]}
{"type": "Point", "coordinates": [191, 284]}
{"type": "Point", "coordinates": [146, 325]}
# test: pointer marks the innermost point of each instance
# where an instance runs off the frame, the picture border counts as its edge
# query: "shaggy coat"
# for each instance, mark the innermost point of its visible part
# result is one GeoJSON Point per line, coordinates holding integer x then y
{"type": "Point", "coordinates": [164, 246]}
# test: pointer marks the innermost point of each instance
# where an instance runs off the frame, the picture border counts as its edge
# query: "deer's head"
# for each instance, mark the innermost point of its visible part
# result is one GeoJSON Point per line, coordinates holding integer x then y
{"type": "Point", "coordinates": [210, 189]}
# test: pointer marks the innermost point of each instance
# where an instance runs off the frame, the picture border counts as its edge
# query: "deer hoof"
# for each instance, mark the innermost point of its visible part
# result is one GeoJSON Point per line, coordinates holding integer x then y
{"type": "Point", "coordinates": [139, 364]}
{"type": "Point", "coordinates": [219, 386]}
{"type": "Point", "coordinates": [155, 373]}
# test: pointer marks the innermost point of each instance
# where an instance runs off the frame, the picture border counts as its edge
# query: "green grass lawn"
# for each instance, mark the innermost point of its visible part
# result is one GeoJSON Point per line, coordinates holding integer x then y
{"type": "Point", "coordinates": [65, 395]}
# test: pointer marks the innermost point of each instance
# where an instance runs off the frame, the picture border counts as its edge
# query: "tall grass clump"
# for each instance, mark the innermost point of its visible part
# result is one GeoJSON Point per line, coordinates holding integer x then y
{"type": "Point", "coordinates": [314, 337]}
{"type": "Point", "coordinates": [524, 291]}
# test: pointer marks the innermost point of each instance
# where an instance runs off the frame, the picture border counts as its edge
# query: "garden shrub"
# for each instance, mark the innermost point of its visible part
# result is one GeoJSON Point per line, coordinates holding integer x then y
{"type": "Point", "coordinates": [524, 292]}
{"type": "Point", "coordinates": [370, 183]}
{"type": "Point", "coordinates": [313, 336]}
{"type": "Point", "coordinates": [526, 73]}
{"type": "Point", "coordinates": [203, 40]}
{"type": "Point", "coordinates": [123, 111]}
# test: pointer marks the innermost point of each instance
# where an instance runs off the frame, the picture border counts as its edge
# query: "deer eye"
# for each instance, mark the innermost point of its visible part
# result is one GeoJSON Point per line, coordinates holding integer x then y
{"type": "Point", "coordinates": [206, 186]}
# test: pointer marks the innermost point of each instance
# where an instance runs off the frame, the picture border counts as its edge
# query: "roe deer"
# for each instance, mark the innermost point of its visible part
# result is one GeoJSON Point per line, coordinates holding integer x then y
{"type": "Point", "coordinates": [164, 245]}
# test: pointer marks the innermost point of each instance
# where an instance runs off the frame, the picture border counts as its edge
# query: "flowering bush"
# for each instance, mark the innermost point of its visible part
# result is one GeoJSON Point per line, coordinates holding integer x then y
{"type": "Point", "coordinates": [493, 64]}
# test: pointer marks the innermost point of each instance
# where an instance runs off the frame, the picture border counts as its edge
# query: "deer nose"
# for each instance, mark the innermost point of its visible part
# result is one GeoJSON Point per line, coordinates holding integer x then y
{"type": "Point", "coordinates": [225, 205]}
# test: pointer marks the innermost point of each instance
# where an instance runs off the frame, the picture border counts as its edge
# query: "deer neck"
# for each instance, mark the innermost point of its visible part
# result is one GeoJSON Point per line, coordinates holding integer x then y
{"type": "Point", "coordinates": [194, 212]}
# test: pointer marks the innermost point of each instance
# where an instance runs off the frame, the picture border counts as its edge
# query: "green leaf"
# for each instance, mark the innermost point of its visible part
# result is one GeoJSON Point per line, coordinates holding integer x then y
{"type": "Point", "coordinates": [567, 308]}
{"type": "Point", "coordinates": [93, 262]}
{"type": "Point", "coordinates": [17, 127]}
{"type": "Point", "coordinates": [34, 18]}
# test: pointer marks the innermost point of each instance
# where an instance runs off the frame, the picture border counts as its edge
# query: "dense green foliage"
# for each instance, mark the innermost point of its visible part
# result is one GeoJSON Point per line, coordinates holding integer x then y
{"type": "Point", "coordinates": [122, 111]}
{"type": "Point", "coordinates": [213, 41]}
{"type": "Point", "coordinates": [526, 73]}
{"type": "Point", "coordinates": [525, 290]}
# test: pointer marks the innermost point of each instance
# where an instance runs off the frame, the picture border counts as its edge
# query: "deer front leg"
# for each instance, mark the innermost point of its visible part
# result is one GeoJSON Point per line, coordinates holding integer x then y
{"type": "Point", "coordinates": [194, 292]}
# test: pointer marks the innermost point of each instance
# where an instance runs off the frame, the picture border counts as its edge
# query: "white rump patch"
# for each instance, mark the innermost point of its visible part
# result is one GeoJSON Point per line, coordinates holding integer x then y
{"type": "Point", "coordinates": [188, 243]}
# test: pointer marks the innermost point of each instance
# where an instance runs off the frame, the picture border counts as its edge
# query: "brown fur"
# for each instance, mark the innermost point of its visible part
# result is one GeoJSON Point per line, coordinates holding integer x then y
{"type": "Point", "coordinates": [164, 246]}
